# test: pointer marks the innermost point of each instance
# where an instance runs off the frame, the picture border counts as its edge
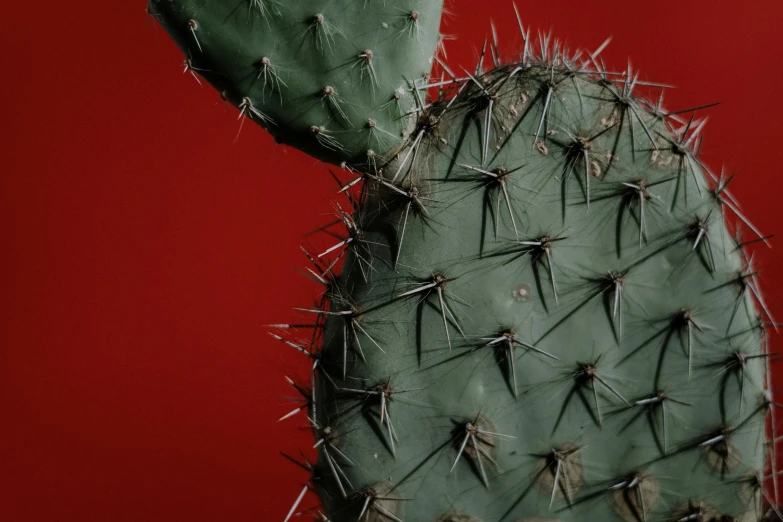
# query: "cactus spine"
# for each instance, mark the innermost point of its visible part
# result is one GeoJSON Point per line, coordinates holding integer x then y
{"type": "Point", "coordinates": [540, 312]}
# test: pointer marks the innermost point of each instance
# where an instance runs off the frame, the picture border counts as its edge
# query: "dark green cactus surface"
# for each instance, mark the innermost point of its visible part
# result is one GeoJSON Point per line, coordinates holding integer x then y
{"type": "Point", "coordinates": [328, 79]}
{"type": "Point", "coordinates": [540, 313]}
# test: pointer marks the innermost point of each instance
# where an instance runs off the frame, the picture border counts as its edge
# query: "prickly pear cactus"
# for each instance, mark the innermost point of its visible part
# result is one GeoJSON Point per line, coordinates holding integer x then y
{"type": "Point", "coordinates": [540, 313]}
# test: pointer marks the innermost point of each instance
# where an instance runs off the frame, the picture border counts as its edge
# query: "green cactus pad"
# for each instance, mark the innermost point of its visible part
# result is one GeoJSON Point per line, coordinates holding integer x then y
{"type": "Point", "coordinates": [332, 80]}
{"type": "Point", "coordinates": [543, 315]}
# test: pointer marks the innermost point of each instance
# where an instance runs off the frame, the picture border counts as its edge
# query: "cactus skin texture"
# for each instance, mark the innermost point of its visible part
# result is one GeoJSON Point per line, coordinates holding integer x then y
{"type": "Point", "coordinates": [321, 77]}
{"type": "Point", "coordinates": [541, 313]}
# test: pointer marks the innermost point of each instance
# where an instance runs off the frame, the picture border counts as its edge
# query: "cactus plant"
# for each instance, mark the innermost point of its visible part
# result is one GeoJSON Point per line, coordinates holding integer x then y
{"type": "Point", "coordinates": [538, 310]}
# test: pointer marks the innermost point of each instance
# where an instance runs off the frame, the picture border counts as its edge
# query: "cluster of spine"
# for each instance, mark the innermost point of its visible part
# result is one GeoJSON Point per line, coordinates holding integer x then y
{"type": "Point", "coordinates": [537, 310]}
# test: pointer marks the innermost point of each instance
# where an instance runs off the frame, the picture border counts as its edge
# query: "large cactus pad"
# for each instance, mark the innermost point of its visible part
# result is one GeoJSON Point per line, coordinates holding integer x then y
{"type": "Point", "coordinates": [542, 315]}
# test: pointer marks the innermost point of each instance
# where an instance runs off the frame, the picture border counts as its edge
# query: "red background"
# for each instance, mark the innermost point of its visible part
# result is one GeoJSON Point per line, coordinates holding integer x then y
{"type": "Point", "coordinates": [141, 251]}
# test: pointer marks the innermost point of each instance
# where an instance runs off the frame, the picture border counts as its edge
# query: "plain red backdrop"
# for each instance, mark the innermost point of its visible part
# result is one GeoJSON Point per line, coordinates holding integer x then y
{"type": "Point", "coordinates": [142, 251]}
